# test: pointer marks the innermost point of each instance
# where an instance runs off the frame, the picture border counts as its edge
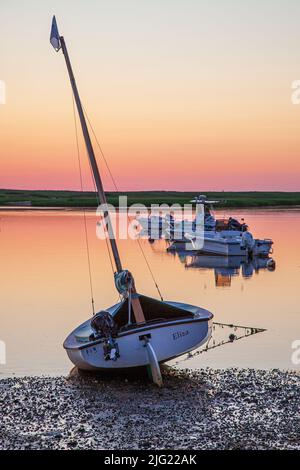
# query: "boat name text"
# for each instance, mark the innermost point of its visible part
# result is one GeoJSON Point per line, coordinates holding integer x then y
{"type": "Point", "coordinates": [180, 334]}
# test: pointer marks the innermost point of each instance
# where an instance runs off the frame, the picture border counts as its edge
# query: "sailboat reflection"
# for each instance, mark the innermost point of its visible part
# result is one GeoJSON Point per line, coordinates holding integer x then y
{"type": "Point", "coordinates": [225, 268]}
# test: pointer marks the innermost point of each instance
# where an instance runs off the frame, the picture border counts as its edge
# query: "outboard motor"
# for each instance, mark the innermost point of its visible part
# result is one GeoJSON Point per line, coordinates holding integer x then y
{"type": "Point", "coordinates": [234, 224]}
{"type": "Point", "coordinates": [247, 242]}
{"type": "Point", "coordinates": [105, 327]}
{"type": "Point", "coordinates": [271, 265]}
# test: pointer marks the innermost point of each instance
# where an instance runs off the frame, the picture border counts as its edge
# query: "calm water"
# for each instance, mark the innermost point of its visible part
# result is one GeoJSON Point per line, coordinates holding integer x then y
{"type": "Point", "coordinates": [45, 289]}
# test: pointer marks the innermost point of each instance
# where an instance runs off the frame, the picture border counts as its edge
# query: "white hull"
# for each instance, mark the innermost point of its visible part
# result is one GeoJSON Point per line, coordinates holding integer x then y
{"type": "Point", "coordinates": [168, 340]}
{"type": "Point", "coordinates": [233, 247]}
{"type": "Point", "coordinates": [222, 245]}
{"type": "Point", "coordinates": [155, 226]}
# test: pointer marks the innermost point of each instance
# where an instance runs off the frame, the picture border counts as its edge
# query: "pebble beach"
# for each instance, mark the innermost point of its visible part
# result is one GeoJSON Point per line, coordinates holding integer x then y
{"type": "Point", "coordinates": [202, 409]}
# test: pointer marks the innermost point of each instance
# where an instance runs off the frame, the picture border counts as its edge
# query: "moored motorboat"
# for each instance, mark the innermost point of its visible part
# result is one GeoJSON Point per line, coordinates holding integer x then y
{"type": "Point", "coordinates": [205, 233]}
{"type": "Point", "coordinates": [224, 243]}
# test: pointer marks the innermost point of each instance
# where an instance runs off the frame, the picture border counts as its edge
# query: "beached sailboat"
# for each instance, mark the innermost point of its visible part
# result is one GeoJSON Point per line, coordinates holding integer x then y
{"type": "Point", "coordinates": [139, 330]}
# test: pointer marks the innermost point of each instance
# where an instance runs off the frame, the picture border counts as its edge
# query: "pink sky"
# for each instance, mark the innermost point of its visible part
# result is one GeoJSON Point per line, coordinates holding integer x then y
{"type": "Point", "coordinates": [184, 98]}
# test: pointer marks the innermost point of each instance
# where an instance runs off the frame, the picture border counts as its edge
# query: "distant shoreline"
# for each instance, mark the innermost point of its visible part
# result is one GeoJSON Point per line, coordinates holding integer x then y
{"type": "Point", "coordinates": [93, 209]}
{"type": "Point", "coordinates": [74, 199]}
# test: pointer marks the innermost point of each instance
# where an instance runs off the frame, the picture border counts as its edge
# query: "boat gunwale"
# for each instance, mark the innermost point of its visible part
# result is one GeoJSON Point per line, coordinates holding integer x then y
{"type": "Point", "coordinates": [140, 330]}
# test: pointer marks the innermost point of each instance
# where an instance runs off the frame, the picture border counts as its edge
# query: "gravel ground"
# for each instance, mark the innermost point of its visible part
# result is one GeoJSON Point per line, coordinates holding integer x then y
{"type": "Point", "coordinates": [203, 409]}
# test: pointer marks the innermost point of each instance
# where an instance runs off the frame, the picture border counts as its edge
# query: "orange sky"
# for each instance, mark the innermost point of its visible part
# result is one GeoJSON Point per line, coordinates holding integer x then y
{"type": "Point", "coordinates": [183, 95]}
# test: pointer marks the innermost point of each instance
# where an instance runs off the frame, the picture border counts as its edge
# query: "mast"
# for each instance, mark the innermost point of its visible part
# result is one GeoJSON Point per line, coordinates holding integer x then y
{"type": "Point", "coordinates": [92, 158]}
{"type": "Point", "coordinates": [58, 43]}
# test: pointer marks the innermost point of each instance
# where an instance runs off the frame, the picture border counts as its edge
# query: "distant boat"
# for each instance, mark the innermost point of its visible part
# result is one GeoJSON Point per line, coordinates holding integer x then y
{"type": "Point", "coordinates": [137, 331]}
{"type": "Point", "coordinates": [224, 243]}
{"type": "Point", "coordinates": [206, 234]}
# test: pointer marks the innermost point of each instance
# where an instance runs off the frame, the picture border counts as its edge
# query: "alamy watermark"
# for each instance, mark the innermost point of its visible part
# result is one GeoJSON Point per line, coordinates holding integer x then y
{"type": "Point", "coordinates": [2, 352]}
{"type": "Point", "coordinates": [2, 92]}
{"type": "Point", "coordinates": [295, 358]}
{"type": "Point", "coordinates": [171, 222]}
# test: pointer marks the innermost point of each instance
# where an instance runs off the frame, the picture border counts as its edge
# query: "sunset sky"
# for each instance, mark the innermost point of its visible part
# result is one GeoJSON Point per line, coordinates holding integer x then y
{"type": "Point", "coordinates": [183, 94]}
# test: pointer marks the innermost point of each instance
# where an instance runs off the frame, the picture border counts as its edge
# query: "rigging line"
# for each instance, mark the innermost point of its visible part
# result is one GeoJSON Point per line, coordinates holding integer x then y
{"type": "Point", "coordinates": [108, 247]}
{"type": "Point", "coordinates": [117, 189]}
{"type": "Point", "coordinates": [214, 345]}
{"type": "Point", "coordinates": [150, 270]}
{"type": "Point", "coordinates": [101, 151]}
{"type": "Point", "coordinates": [103, 225]}
{"type": "Point", "coordinates": [84, 212]}
{"type": "Point", "coordinates": [230, 325]}
{"type": "Point", "coordinates": [102, 222]}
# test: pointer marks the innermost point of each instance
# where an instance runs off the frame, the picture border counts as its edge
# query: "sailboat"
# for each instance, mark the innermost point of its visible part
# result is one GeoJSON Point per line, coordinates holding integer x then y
{"type": "Point", "coordinates": [138, 331]}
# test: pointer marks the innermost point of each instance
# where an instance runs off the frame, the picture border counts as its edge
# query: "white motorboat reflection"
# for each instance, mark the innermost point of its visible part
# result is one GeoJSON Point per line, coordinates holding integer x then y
{"type": "Point", "coordinates": [225, 268]}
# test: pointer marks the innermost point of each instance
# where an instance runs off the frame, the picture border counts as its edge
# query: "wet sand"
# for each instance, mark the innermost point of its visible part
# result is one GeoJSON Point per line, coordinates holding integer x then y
{"type": "Point", "coordinates": [204, 409]}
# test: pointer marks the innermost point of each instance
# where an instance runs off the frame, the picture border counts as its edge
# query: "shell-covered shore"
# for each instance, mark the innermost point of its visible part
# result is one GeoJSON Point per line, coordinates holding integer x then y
{"type": "Point", "coordinates": [203, 409]}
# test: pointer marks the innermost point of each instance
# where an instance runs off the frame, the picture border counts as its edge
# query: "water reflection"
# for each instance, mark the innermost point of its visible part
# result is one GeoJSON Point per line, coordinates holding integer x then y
{"type": "Point", "coordinates": [225, 268]}
{"type": "Point", "coordinates": [45, 291]}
